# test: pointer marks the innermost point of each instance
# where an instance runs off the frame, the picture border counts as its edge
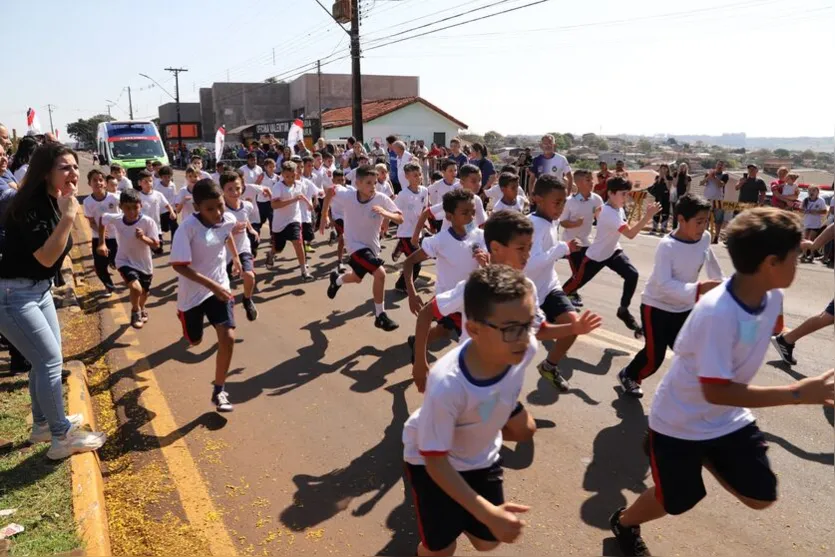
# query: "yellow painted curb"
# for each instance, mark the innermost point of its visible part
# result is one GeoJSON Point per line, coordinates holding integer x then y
{"type": "Point", "coordinates": [87, 483]}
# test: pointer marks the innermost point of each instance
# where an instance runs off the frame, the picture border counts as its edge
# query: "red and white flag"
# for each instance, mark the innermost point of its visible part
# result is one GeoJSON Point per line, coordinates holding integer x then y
{"type": "Point", "coordinates": [296, 132]}
{"type": "Point", "coordinates": [32, 123]}
{"type": "Point", "coordinates": [220, 139]}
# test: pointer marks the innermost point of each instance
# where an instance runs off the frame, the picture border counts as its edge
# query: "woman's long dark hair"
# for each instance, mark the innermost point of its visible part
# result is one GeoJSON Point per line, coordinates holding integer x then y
{"type": "Point", "coordinates": [24, 152]}
{"type": "Point", "coordinates": [34, 184]}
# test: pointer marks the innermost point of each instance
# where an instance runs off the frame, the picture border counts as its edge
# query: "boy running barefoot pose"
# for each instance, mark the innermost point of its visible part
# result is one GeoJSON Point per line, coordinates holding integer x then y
{"type": "Point", "coordinates": [451, 444]}
{"type": "Point", "coordinates": [165, 185]}
{"type": "Point", "coordinates": [549, 194]}
{"type": "Point", "coordinates": [673, 288]}
{"type": "Point", "coordinates": [700, 415]}
{"type": "Point", "coordinates": [198, 255]}
{"type": "Point", "coordinates": [154, 203]}
{"type": "Point", "coordinates": [605, 251]}
{"type": "Point", "coordinates": [364, 210]}
{"type": "Point", "coordinates": [243, 211]}
{"type": "Point", "coordinates": [411, 201]}
{"type": "Point", "coordinates": [98, 203]}
{"type": "Point", "coordinates": [580, 212]}
{"type": "Point", "coordinates": [287, 215]}
{"type": "Point", "coordinates": [509, 237]}
{"type": "Point", "coordinates": [184, 200]}
{"type": "Point", "coordinates": [136, 236]}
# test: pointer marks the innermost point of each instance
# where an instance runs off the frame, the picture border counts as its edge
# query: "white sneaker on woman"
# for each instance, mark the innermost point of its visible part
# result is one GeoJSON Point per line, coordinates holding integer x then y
{"type": "Point", "coordinates": [41, 433]}
{"type": "Point", "coordinates": [75, 441]}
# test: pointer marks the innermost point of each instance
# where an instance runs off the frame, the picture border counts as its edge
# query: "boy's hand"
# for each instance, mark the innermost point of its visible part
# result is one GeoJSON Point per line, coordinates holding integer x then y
{"type": "Point", "coordinates": [503, 522]}
{"type": "Point", "coordinates": [587, 323]}
{"type": "Point", "coordinates": [419, 372]}
{"type": "Point", "coordinates": [102, 250]}
{"type": "Point", "coordinates": [708, 285]}
{"type": "Point", "coordinates": [482, 257]}
{"type": "Point", "coordinates": [806, 245]}
{"type": "Point", "coordinates": [817, 390]}
{"type": "Point", "coordinates": [139, 233]}
{"type": "Point", "coordinates": [239, 227]}
{"type": "Point", "coordinates": [236, 267]}
{"type": "Point", "coordinates": [574, 245]}
{"type": "Point", "coordinates": [222, 293]}
{"type": "Point", "coordinates": [415, 304]}
{"type": "Point", "coordinates": [653, 209]}
{"type": "Point", "coordinates": [172, 214]}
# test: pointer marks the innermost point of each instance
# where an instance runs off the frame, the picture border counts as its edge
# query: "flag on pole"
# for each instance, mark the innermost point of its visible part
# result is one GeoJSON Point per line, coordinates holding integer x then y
{"type": "Point", "coordinates": [220, 139]}
{"type": "Point", "coordinates": [296, 132]}
{"type": "Point", "coordinates": [32, 123]}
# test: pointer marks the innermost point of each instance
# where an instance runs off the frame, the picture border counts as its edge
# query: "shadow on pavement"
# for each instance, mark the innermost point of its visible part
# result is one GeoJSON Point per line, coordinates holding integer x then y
{"type": "Point", "coordinates": [783, 366]}
{"type": "Point", "coordinates": [822, 458]}
{"type": "Point", "coordinates": [618, 463]}
{"type": "Point", "coordinates": [28, 471]}
{"type": "Point", "coordinates": [106, 345]}
{"type": "Point", "coordinates": [376, 471]}
{"type": "Point", "coordinates": [545, 393]}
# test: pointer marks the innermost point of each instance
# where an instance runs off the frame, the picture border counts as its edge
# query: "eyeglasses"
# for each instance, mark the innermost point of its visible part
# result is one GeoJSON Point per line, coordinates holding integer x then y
{"type": "Point", "coordinates": [511, 333]}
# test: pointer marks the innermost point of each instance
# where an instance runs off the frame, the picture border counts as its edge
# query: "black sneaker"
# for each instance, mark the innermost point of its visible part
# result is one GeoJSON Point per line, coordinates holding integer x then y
{"type": "Point", "coordinates": [221, 401]}
{"type": "Point", "coordinates": [576, 300]}
{"type": "Point", "coordinates": [333, 288]}
{"type": "Point", "coordinates": [270, 260]}
{"type": "Point", "coordinates": [784, 349]}
{"type": "Point", "coordinates": [629, 537]}
{"type": "Point", "coordinates": [383, 322]}
{"type": "Point", "coordinates": [400, 285]}
{"type": "Point", "coordinates": [332, 237]}
{"type": "Point", "coordinates": [411, 342]}
{"type": "Point", "coordinates": [250, 309]}
{"type": "Point", "coordinates": [629, 320]}
{"type": "Point", "coordinates": [552, 375]}
{"type": "Point", "coordinates": [630, 386]}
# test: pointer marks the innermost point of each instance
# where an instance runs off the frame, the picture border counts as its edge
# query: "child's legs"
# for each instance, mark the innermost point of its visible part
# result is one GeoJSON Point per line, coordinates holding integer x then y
{"type": "Point", "coordinates": [587, 270]}
{"type": "Point", "coordinates": [143, 297]}
{"type": "Point", "coordinates": [559, 310]}
{"type": "Point", "coordinates": [816, 323]}
{"type": "Point", "coordinates": [101, 263]}
{"type": "Point", "coordinates": [225, 346]}
{"type": "Point", "coordinates": [249, 283]}
{"type": "Point", "coordinates": [660, 331]}
{"type": "Point", "coordinates": [299, 248]}
{"type": "Point", "coordinates": [619, 263]}
{"type": "Point", "coordinates": [135, 294]}
{"type": "Point", "coordinates": [520, 427]}
{"type": "Point", "coordinates": [378, 290]}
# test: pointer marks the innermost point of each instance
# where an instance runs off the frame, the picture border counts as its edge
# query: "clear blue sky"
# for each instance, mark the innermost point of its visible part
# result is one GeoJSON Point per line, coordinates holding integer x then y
{"type": "Point", "coordinates": [642, 66]}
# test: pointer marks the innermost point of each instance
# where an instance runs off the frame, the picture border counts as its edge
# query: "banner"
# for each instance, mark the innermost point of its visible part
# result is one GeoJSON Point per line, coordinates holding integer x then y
{"type": "Point", "coordinates": [32, 124]}
{"type": "Point", "coordinates": [296, 133]}
{"type": "Point", "coordinates": [220, 139]}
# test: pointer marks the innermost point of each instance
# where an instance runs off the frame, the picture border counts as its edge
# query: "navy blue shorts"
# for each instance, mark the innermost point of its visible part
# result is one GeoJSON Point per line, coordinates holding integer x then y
{"type": "Point", "coordinates": [555, 304]}
{"type": "Point", "coordinates": [290, 233]}
{"type": "Point", "coordinates": [129, 274]}
{"type": "Point", "coordinates": [246, 264]}
{"type": "Point", "coordinates": [738, 458]}
{"type": "Point", "coordinates": [363, 261]}
{"type": "Point", "coordinates": [830, 309]}
{"type": "Point", "coordinates": [217, 312]}
{"type": "Point", "coordinates": [339, 226]}
{"type": "Point", "coordinates": [307, 232]}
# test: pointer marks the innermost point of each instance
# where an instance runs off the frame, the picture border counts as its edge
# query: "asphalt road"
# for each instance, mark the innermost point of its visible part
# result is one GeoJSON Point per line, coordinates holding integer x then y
{"type": "Point", "coordinates": [310, 460]}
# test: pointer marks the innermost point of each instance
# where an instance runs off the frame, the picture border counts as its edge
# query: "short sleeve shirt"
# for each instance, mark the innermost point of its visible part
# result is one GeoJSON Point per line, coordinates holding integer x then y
{"type": "Point", "coordinates": [284, 216]}
{"type": "Point", "coordinates": [455, 256]}
{"type": "Point", "coordinates": [480, 215]}
{"type": "Point", "coordinates": [578, 206]}
{"type": "Point", "coordinates": [439, 189]}
{"type": "Point", "coordinates": [245, 213]}
{"type": "Point", "coordinates": [132, 251]}
{"type": "Point", "coordinates": [557, 165]}
{"type": "Point", "coordinates": [411, 205]}
{"type": "Point", "coordinates": [94, 209]}
{"type": "Point", "coordinates": [310, 191]}
{"type": "Point", "coordinates": [610, 225]}
{"type": "Point", "coordinates": [185, 199]}
{"type": "Point", "coordinates": [751, 190]}
{"type": "Point", "coordinates": [153, 204]}
{"type": "Point", "coordinates": [715, 187]}
{"type": "Point", "coordinates": [362, 224]}
{"type": "Point", "coordinates": [26, 236]}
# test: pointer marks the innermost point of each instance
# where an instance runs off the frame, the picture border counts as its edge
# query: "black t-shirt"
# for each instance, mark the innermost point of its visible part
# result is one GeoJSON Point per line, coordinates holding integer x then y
{"type": "Point", "coordinates": [751, 189]}
{"type": "Point", "coordinates": [25, 237]}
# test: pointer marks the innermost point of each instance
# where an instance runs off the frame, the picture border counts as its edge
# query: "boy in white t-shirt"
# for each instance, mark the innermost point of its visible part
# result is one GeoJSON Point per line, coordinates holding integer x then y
{"type": "Point", "coordinates": [184, 201]}
{"type": "Point", "coordinates": [383, 184]}
{"type": "Point", "coordinates": [605, 251]}
{"type": "Point", "coordinates": [304, 174]}
{"type": "Point", "coordinates": [118, 172]}
{"type": "Point", "coordinates": [243, 211]}
{"type": "Point", "coordinates": [364, 210]}
{"type": "Point", "coordinates": [136, 236]}
{"type": "Point", "coordinates": [673, 288]}
{"type": "Point", "coordinates": [287, 199]}
{"type": "Point", "coordinates": [336, 217]}
{"type": "Point", "coordinates": [495, 192]}
{"type": "Point", "coordinates": [699, 416]}
{"type": "Point", "coordinates": [411, 201]}
{"type": "Point", "coordinates": [510, 200]}
{"type": "Point", "coordinates": [198, 255]}
{"type": "Point", "coordinates": [449, 182]}
{"type": "Point", "coordinates": [154, 203]}
{"type": "Point", "coordinates": [814, 215]}
{"type": "Point", "coordinates": [101, 202]}
{"type": "Point", "coordinates": [579, 215]}
{"type": "Point", "coordinates": [111, 184]}
{"type": "Point", "coordinates": [165, 185]}
{"type": "Point", "coordinates": [197, 162]}
{"type": "Point", "coordinates": [266, 178]}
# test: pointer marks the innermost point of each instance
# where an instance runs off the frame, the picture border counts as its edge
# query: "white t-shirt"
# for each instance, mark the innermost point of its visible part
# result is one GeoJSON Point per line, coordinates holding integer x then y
{"type": "Point", "coordinates": [251, 175]}
{"type": "Point", "coordinates": [674, 283]}
{"type": "Point", "coordinates": [268, 182]}
{"type": "Point", "coordinates": [545, 252]}
{"type": "Point", "coordinates": [455, 256]}
{"type": "Point", "coordinates": [402, 161]}
{"type": "Point", "coordinates": [289, 213]}
{"type": "Point", "coordinates": [495, 193]}
{"type": "Point", "coordinates": [204, 175]}
{"type": "Point", "coordinates": [204, 249]}
{"type": "Point", "coordinates": [362, 225]}
{"type": "Point", "coordinates": [338, 207]}
{"type": "Point", "coordinates": [411, 204]}
{"type": "Point", "coordinates": [721, 342]}
{"type": "Point", "coordinates": [309, 190]}
{"type": "Point", "coordinates": [327, 176]}
{"type": "Point", "coordinates": [319, 175]}
{"type": "Point", "coordinates": [461, 416]}
{"type": "Point", "coordinates": [251, 193]}
{"type": "Point", "coordinates": [123, 184]}
{"type": "Point", "coordinates": [480, 215]}
{"type": "Point", "coordinates": [153, 205]}
{"type": "Point", "coordinates": [109, 205]}
{"type": "Point", "coordinates": [169, 191]}
{"type": "Point", "coordinates": [439, 189]}
{"type": "Point", "coordinates": [610, 223]}
{"type": "Point", "coordinates": [557, 166]}
{"type": "Point", "coordinates": [384, 188]}
{"type": "Point", "coordinates": [578, 206]}
{"type": "Point", "coordinates": [245, 213]}
{"type": "Point", "coordinates": [814, 221]}
{"type": "Point", "coordinates": [133, 252]}
{"type": "Point", "coordinates": [185, 199]}
{"type": "Point", "coordinates": [518, 205]}
{"type": "Point", "coordinates": [788, 189]}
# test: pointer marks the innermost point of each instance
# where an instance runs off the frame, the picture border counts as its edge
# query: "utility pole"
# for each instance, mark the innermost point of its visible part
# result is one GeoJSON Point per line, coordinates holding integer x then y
{"type": "Point", "coordinates": [130, 104]}
{"type": "Point", "coordinates": [176, 72]}
{"type": "Point", "coordinates": [51, 127]}
{"type": "Point", "coordinates": [356, 76]}
{"type": "Point", "coordinates": [319, 74]}
{"type": "Point", "coordinates": [108, 111]}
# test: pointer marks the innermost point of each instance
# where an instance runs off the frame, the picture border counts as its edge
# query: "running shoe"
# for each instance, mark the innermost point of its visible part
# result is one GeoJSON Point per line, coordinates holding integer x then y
{"type": "Point", "coordinates": [629, 320]}
{"type": "Point", "coordinates": [552, 375]}
{"type": "Point", "coordinates": [270, 260]}
{"type": "Point", "coordinates": [136, 320]}
{"type": "Point", "coordinates": [383, 322]}
{"type": "Point", "coordinates": [250, 309]}
{"type": "Point", "coordinates": [333, 288]}
{"type": "Point", "coordinates": [308, 249]}
{"type": "Point", "coordinates": [221, 400]}
{"type": "Point", "coordinates": [41, 434]}
{"type": "Point", "coordinates": [630, 386]}
{"type": "Point", "coordinates": [341, 269]}
{"type": "Point", "coordinates": [411, 342]}
{"type": "Point", "coordinates": [144, 314]}
{"type": "Point", "coordinates": [307, 277]}
{"type": "Point", "coordinates": [576, 300]}
{"type": "Point", "coordinates": [629, 537]}
{"type": "Point", "coordinates": [785, 349]}
{"type": "Point", "coordinates": [75, 441]}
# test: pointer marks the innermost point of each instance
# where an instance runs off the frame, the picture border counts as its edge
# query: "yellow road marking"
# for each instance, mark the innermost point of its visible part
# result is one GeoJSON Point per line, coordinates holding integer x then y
{"type": "Point", "coordinates": [193, 493]}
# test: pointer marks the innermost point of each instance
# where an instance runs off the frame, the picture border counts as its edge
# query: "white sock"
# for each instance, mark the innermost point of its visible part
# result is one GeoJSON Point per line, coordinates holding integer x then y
{"type": "Point", "coordinates": [378, 309]}
{"type": "Point", "coordinates": [339, 280]}
{"type": "Point", "coordinates": [304, 268]}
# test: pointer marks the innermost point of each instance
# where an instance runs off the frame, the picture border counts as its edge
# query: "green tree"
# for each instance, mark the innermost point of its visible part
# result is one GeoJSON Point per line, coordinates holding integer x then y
{"type": "Point", "coordinates": [672, 141]}
{"type": "Point", "coordinates": [560, 143]}
{"type": "Point", "coordinates": [569, 138]}
{"type": "Point", "coordinates": [493, 139]}
{"type": "Point", "coordinates": [585, 164]}
{"type": "Point", "coordinates": [782, 153]}
{"type": "Point", "coordinates": [602, 144]}
{"type": "Point", "coordinates": [589, 139]}
{"type": "Point", "coordinates": [644, 146]}
{"type": "Point", "coordinates": [808, 154]}
{"type": "Point", "coordinates": [84, 131]}
{"type": "Point", "coordinates": [472, 137]}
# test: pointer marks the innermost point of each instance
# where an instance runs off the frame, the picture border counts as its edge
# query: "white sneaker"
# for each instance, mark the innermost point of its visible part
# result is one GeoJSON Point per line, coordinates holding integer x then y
{"type": "Point", "coordinates": [41, 433]}
{"type": "Point", "coordinates": [75, 441]}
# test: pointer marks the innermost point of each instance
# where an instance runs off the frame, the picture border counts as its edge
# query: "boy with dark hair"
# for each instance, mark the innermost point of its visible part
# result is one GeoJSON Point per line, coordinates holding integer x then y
{"type": "Point", "coordinates": [197, 162]}
{"type": "Point", "coordinates": [447, 183]}
{"type": "Point", "coordinates": [699, 416]}
{"type": "Point", "coordinates": [673, 288]}
{"type": "Point", "coordinates": [287, 215]}
{"type": "Point", "coordinates": [198, 255]}
{"type": "Point", "coordinates": [605, 251]}
{"type": "Point", "coordinates": [470, 179]}
{"type": "Point", "coordinates": [411, 201]}
{"type": "Point", "coordinates": [101, 202]}
{"type": "Point", "coordinates": [243, 211]}
{"type": "Point", "coordinates": [136, 236]}
{"type": "Point", "coordinates": [581, 210]}
{"type": "Point", "coordinates": [309, 189]}
{"type": "Point", "coordinates": [364, 209]}
{"type": "Point", "coordinates": [184, 201]}
{"type": "Point", "coordinates": [266, 179]}
{"type": "Point", "coordinates": [111, 184]}
{"type": "Point", "coordinates": [153, 203]}
{"type": "Point", "coordinates": [510, 198]}
{"type": "Point", "coordinates": [165, 185]}
{"type": "Point", "coordinates": [118, 172]}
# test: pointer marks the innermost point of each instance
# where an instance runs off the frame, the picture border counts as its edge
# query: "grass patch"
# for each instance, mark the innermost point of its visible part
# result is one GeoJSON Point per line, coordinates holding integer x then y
{"type": "Point", "coordinates": [38, 488]}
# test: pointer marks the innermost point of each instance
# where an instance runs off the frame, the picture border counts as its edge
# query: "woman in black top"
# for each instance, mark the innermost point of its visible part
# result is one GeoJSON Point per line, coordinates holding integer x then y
{"type": "Point", "coordinates": [682, 180]}
{"type": "Point", "coordinates": [38, 222]}
{"type": "Point", "coordinates": [660, 190]}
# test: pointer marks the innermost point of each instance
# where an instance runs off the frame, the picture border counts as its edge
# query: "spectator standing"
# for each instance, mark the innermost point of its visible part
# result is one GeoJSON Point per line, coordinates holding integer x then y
{"type": "Point", "coordinates": [603, 176]}
{"type": "Point", "coordinates": [456, 154]}
{"type": "Point", "coordinates": [714, 183]}
{"type": "Point", "coordinates": [552, 163]}
{"type": "Point", "coordinates": [488, 171]}
{"type": "Point", "coordinates": [661, 190]}
{"type": "Point", "coordinates": [422, 153]}
{"type": "Point", "coordinates": [5, 142]}
{"type": "Point", "coordinates": [20, 161]}
{"type": "Point", "coordinates": [751, 189]}
{"type": "Point", "coordinates": [682, 180]}
{"type": "Point", "coordinates": [393, 170]}
{"type": "Point", "coordinates": [6, 176]}
{"type": "Point", "coordinates": [17, 363]}
{"type": "Point", "coordinates": [777, 188]}
{"type": "Point", "coordinates": [404, 157]}
{"type": "Point", "coordinates": [377, 153]}
{"type": "Point", "coordinates": [620, 170]}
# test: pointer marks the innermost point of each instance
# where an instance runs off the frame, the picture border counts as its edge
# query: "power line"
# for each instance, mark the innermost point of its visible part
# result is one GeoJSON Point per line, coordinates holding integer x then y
{"type": "Point", "coordinates": [462, 14]}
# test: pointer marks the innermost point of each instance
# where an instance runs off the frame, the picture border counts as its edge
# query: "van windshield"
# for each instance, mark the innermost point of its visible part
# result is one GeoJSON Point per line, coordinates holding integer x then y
{"type": "Point", "coordinates": [136, 149]}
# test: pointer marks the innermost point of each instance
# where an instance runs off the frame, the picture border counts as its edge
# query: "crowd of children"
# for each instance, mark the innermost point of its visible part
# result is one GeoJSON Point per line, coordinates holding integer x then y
{"type": "Point", "coordinates": [497, 290]}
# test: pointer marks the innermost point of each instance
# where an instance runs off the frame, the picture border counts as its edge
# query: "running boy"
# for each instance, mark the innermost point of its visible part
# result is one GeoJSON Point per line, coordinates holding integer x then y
{"type": "Point", "coordinates": [198, 255]}
{"type": "Point", "coordinates": [337, 215]}
{"type": "Point", "coordinates": [98, 203]}
{"type": "Point", "coordinates": [581, 210]}
{"type": "Point", "coordinates": [364, 210]}
{"type": "Point", "coordinates": [605, 251]}
{"type": "Point", "coordinates": [197, 162]}
{"type": "Point", "coordinates": [449, 182]}
{"type": "Point", "coordinates": [287, 215]}
{"type": "Point", "coordinates": [184, 200]}
{"type": "Point", "coordinates": [266, 178]}
{"type": "Point", "coordinates": [165, 185]}
{"type": "Point", "coordinates": [313, 193]}
{"type": "Point", "coordinates": [119, 173]}
{"type": "Point", "coordinates": [673, 288]}
{"type": "Point", "coordinates": [699, 416]}
{"type": "Point", "coordinates": [153, 203]}
{"type": "Point", "coordinates": [411, 201]}
{"type": "Point", "coordinates": [243, 211]}
{"type": "Point", "coordinates": [510, 199]}
{"type": "Point", "coordinates": [136, 236]}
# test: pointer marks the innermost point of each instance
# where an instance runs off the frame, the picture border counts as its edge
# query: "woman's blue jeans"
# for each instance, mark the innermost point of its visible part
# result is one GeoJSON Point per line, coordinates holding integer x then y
{"type": "Point", "coordinates": [29, 321]}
